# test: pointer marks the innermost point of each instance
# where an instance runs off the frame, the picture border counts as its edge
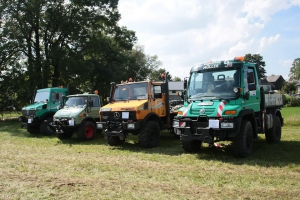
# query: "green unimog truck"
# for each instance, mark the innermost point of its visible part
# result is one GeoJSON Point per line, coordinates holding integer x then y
{"type": "Point", "coordinates": [79, 113]}
{"type": "Point", "coordinates": [224, 100]}
{"type": "Point", "coordinates": [39, 113]}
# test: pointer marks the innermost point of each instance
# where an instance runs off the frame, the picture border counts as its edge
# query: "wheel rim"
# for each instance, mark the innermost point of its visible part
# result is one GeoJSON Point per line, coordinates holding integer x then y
{"type": "Point", "coordinates": [89, 132]}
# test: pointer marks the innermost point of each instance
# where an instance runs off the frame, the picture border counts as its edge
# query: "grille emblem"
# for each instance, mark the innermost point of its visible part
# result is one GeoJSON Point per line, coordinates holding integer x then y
{"type": "Point", "coordinates": [202, 111]}
{"type": "Point", "coordinates": [117, 115]}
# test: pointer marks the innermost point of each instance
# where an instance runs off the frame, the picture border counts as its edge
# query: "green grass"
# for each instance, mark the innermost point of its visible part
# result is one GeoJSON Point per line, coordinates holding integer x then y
{"type": "Point", "coordinates": [44, 167]}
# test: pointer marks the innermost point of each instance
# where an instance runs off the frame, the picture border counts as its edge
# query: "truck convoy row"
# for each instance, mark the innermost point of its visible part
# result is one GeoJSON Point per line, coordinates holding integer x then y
{"type": "Point", "coordinates": [222, 101]}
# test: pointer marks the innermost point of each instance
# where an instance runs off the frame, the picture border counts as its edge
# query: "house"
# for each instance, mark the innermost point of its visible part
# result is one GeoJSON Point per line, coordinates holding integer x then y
{"type": "Point", "coordinates": [175, 86]}
{"type": "Point", "coordinates": [276, 81]}
{"type": "Point", "coordinates": [298, 88]}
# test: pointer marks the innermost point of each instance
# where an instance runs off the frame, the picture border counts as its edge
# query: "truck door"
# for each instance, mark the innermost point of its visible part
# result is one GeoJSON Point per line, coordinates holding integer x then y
{"type": "Point", "coordinates": [252, 86]}
{"type": "Point", "coordinates": [157, 103]}
{"type": "Point", "coordinates": [94, 104]}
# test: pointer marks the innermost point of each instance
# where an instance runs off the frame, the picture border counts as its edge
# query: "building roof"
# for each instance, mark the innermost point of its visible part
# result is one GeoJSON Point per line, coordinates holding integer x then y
{"type": "Point", "coordinates": [176, 85]}
{"type": "Point", "coordinates": [273, 78]}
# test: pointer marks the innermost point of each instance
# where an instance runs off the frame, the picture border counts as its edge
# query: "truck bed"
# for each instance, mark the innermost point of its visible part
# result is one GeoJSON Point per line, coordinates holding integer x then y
{"type": "Point", "coordinates": [273, 100]}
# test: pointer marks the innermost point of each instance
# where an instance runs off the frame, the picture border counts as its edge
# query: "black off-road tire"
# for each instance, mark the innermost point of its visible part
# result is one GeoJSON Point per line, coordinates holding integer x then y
{"type": "Point", "coordinates": [150, 135]}
{"type": "Point", "coordinates": [190, 146]}
{"type": "Point", "coordinates": [274, 134]}
{"type": "Point", "coordinates": [33, 129]}
{"type": "Point", "coordinates": [243, 142]}
{"type": "Point", "coordinates": [66, 135]}
{"type": "Point", "coordinates": [87, 131]}
{"type": "Point", "coordinates": [115, 141]}
{"type": "Point", "coordinates": [45, 129]}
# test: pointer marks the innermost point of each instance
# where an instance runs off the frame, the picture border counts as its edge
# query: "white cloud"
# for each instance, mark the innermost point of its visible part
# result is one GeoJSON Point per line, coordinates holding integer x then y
{"type": "Point", "coordinates": [182, 33]}
{"type": "Point", "coordinates": [264, 41]}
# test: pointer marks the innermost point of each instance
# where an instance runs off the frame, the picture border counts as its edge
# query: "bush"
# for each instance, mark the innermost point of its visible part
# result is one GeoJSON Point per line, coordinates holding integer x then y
{"type": "Point", "coordinates": [286, 99]}
{"type": "Point", "coordinates": [295, 102]}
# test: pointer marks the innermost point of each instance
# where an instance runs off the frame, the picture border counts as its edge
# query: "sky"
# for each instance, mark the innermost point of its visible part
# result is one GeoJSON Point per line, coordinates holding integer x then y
{"type": "Point", "coordinates": [183, 33]}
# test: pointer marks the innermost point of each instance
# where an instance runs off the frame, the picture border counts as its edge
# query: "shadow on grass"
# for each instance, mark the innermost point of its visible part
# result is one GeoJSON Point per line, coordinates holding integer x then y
{"type": "Point", "coordinates": [263, 154]}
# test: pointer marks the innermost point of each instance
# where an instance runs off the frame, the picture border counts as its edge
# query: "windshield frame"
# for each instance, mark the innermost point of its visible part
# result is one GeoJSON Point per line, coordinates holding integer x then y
{"type": "Point", "coordinates": [136, 91]}
{"type": "Point", "coordinates": [223, 82]}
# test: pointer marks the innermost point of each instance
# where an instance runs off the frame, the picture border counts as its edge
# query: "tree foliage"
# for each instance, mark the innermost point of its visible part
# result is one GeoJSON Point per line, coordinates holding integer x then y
{"type": "Point", "coordinates": [258, 59]}
{"type": "Point", "coordinates": [295, 70]}
{"type": "Point", "coordinates": [52, 43]}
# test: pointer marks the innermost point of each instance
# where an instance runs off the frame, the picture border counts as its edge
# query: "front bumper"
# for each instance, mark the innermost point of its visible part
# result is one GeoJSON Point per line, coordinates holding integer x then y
{"type": "Point", "coordinates": [112, 128]}
{"type": "Point", "coordinates": [207, 130]}
{"type": "Point", "coordinates": [63, 126]}
{"type": "Point", "coordinates": [29, 120]}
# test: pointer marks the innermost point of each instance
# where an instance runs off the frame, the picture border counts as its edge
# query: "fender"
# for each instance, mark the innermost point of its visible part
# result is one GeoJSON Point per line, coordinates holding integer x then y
{"type": "Point", "coordinates": [88, 119]}
{"type": "Point", "coordinates": [151, 116]}
{"type": "Point", "coordinates": [47, 115]}
{"type": "Point", "coordinates": [276, 112]}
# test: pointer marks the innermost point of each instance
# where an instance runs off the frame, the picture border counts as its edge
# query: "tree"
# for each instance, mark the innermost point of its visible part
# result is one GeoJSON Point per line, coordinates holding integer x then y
{"type": "Point", "coordinates": [295, 70]}
{"type": "Point", "coordinates": [59, 42]}
{"type": "Point", "coordinates": [258, 59]}
{"type": "Point", "coordinates": [290, 87]}
{"type": "Point", "coordinates": [176, 78]}
{"type": "Point", "coordinates": [156, 75]}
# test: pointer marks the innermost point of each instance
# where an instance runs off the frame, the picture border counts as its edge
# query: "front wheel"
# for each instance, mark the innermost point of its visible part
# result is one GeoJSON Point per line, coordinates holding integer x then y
{"type": "Point", "coordinates": [243, 142]}
{"type": "Point", "coordinates": [115, 140]}
{"type": "Point", "coordinates": [65, 135]}
{"type": "Point", "coordinates": [32, 129]}
{"type": "Point", "coordinates": [86, 131]}
{"type": "Point", "coordinates": [44, 127]}
{"type": "Point", "coordinates": [274, 134]}
{"type": "Point", "coordinates": [190, 146]}
{"type": "Point", "coordinates": [150, 135]}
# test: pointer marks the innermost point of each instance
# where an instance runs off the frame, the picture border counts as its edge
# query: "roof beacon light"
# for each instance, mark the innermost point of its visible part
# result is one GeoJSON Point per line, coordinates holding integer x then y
{"type": "Point", "coordinates": [240, 58]}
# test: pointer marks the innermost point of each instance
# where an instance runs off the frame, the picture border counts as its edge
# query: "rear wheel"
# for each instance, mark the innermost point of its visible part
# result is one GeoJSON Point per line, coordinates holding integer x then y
{"type": "Point", "coordinates": [115, 140]}
{"type": "Point", "coordinates": [86, 131]}
{"type": "Point", "coordinates": [32, 129]}
{"type": "Point", "coordinates": [274, 134]}
{"type": "Point", "coordinates": [150, 135]}
{"type": "Point", "coordinates": [44, 127]}
{"type": "Point", "coordinates": [243, 142]}
{"type": "Point", "coordinates": [190, 146]}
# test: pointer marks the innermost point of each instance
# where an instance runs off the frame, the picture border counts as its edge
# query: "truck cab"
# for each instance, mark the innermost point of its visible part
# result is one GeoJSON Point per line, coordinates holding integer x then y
{"type": "Point", "coordinates": [40, 112]}
{"type": "Point", "coordinates": [78, 113]}
{"type": "Point", "coordinates": [224, 101]}
{"type": "Point", "coordinates": [141, 108]}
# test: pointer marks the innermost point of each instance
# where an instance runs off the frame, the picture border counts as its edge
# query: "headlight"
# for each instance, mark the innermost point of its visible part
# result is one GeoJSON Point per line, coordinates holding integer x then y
{"type": "Point", "coordinates": [99, 126]}
{"type": "Point", "coordinates": [130, 126]}
{"type": "Point", "coordinates": [226, 125]}
{"type": "Point", "coordinates": [105, 109]}
{"type": "Point", "coordinates": [175, 123]}
{"type": "Point", "coordinates": [71, 122]}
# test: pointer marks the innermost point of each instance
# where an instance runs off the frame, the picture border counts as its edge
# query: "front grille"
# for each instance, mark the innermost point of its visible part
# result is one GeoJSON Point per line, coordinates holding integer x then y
{"type": "Point", "coordinates": [207, 111]}
{"type": "Point", "coordinates": [28, 112]}
{"type": "Point", "coordinates": [111, 116]}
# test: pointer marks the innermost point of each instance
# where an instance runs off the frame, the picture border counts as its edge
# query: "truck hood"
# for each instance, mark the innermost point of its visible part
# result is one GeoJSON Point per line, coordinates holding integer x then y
{"type": "Point", "coordinates": [34, 106]}
{"type": "Point", "coordinates": [69, 112]}
{"type": "Point", "coordinates": [209, 108]}
{"type": "Point", "coordinates": [124, 105]}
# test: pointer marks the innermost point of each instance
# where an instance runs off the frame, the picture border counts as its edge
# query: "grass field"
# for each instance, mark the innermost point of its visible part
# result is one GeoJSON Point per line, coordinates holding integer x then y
{"type": "Point", "coordinates": [44, 167]}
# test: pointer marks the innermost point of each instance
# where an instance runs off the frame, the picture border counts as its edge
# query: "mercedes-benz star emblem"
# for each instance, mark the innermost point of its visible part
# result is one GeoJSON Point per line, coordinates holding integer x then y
{"type": "Point", "coordinates": [117, 115]}
{"type": "Point", "coordinates": [202, 111]}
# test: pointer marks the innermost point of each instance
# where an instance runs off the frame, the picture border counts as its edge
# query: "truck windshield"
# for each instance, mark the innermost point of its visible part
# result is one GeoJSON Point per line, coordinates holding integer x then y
{"type": "Point", "coordinates": [76, 101]}
{"type": "Point", "coordinates": [41, 97]}
{"type": "Point", "coordinates": [213, 84]}
{"type": "Point", "coordinates": [131, 91]}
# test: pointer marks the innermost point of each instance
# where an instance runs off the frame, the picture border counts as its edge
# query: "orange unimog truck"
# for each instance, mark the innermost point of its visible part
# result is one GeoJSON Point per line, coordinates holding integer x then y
{"type": "Point", "coordinates": [140, 108]}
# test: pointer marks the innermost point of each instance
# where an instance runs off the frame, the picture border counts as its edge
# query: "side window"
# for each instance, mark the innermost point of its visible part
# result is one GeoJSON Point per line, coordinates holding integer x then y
{"type": "Point", "coordinates": [53, 96]}
{"type": "Point", "coordinates": [157, 91]}
{"type": "Point", "coordinates": [95, 101]}
{"type": "Point", "coordinates": [250, 76]}
{"type": "Point", "coordinates": [251, 79]}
